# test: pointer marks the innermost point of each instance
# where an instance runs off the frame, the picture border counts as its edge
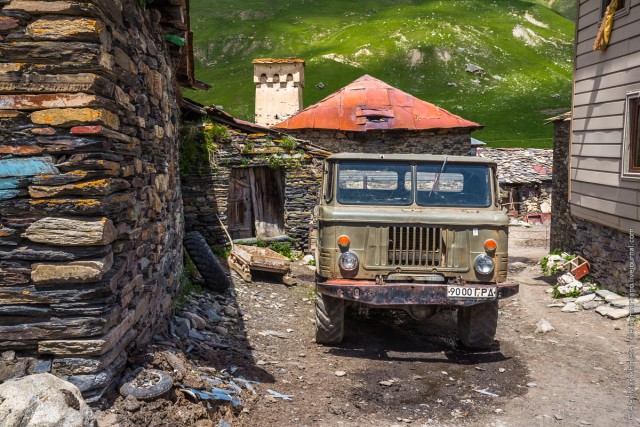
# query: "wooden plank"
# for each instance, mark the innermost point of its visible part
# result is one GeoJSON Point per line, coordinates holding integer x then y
{"type": "Point", "coordinates": [595, 216]}
{"type": "Point", "coordinates": [239, 211]}
{"type": "Point", "coordinates": [591, 163]}
{"type": "Point", "coordinates": [589, 17]}
{"type": "Point", "coordinates": [622, 31]}
{"type": "Point", "coordinates": [618, 209]}
{"type": "Point", "coordinates": [621, 78]}
{"type": "Point", "coordinates": [605, 95]}
{"type": "Point", "coordinates": [627, 62]}
{"type": "Point", "coordinates": [16, 167]}
{"type": "Point", "coordinates": [608, 220]}
{"type": "Point", "coordinates": [613, 52]}
{"type": "Point", "coordinates": [614, 194]}
{"type": "Point", "coordinates": [596, 177]}
{"type": "Point", "coordinates": [598, 123]}
{"type": "Point", "coordinates": [599, 110]}
{"type": "Point", "coordinates": [613, 151]}
{"type": "Point", "coordinates": [612, 136]}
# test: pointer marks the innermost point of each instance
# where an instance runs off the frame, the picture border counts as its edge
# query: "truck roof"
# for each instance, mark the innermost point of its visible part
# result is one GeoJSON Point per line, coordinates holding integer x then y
{"type": "Point", "coordinates": [411, 158]}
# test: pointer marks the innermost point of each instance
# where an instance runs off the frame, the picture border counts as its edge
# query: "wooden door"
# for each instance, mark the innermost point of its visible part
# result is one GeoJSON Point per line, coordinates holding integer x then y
{"type": "Point", "coordinates": [239, 211]}
{"type": "Point", "coordinates": [267, 196]}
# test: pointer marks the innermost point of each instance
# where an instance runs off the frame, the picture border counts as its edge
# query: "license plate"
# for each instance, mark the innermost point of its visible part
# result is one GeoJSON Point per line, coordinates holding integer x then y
{"type": "Point", "coordinates": [469, 292]}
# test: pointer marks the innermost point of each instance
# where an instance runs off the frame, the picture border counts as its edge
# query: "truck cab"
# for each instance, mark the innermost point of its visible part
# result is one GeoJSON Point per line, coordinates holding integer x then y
{"type": "Point", "coordinates": [411, 232]}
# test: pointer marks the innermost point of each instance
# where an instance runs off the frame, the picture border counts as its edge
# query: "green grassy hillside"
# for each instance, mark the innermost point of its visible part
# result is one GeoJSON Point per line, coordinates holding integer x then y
{"type": "Point", "coordinates": [566, 8]}
{"type": "Point", "coordinates": [421, 47]}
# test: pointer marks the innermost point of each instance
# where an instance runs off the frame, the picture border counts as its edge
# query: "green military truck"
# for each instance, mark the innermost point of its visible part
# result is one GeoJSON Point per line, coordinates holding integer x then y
{"type": "Point", "coordinates": [411, 232]}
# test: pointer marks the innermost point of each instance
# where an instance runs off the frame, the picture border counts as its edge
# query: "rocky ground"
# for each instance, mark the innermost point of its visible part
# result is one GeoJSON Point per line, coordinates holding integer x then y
{"type": "Point", "coordinates": [256, 342]}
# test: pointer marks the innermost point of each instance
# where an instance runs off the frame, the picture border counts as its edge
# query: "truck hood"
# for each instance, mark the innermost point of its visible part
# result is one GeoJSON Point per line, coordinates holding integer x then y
{"type": "Point", "coordinates": [419, 215]}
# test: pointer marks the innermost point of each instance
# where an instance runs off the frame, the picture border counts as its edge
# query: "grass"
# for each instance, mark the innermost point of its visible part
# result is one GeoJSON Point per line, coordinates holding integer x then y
{"type": "Point", "coordinates": [416, 46]}
{"type": "Point", "coordinates": [187, 286]}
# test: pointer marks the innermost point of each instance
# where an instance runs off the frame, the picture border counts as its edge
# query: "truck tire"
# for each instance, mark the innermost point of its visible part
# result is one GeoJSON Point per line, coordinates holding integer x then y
{"type": "Point", "coordinates": [161, 384]}
{"type": "Point", "coordinates": [477, 325]}
{"type": "Point", "coordinates": [206, 262]}
{"type": "Point", "coordinates": [329, 319]}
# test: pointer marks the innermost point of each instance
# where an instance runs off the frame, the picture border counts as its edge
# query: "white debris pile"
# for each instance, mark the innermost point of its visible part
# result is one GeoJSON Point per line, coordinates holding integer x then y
{"type": "Point", "coordinates": [568, 285]}
{"type": "Point", "coordinates": [552, 263]}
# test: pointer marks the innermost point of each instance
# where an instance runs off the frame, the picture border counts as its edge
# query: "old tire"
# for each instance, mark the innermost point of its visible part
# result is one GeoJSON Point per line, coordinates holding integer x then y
{"type": "Point", "coordinates": [205, 261]}
{"type": "Point", "coordinates": [161, 384]}
{"type": "Point", "coordinates": [477, 325]}
{"type": "Point", "coordinates": [329, 319]}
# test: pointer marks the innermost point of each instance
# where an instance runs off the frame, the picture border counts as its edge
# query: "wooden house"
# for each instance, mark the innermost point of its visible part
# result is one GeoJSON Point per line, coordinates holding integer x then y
{"type": "Point", "coordinates": [604, 182]}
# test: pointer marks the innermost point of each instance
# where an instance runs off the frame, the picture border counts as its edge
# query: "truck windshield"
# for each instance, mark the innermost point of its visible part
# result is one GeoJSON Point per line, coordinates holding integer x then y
{"type": "Point", "coordinates": [391, 184]}
{"type": "Point", "coordinates": [464, 185]}
{"type": "Point", "coordinates": [367, 183]}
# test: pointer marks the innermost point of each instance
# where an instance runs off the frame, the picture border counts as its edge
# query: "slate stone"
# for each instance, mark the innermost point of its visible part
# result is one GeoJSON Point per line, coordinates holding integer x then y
{"type": "Point", "coordinates": [571, 307]}
{"type": "Point", "coordinates": [590, 305]}
{"type": "Point", "coordinates": [612, 313]}
{"type": "Point", "coordinates": [48, 253]}
{"type": "Point", "coordinates": [607, 295]}
{"type": "Point", "coordinates": [84, 271]}
{"type": "Point", "coordinates": [585, 298]}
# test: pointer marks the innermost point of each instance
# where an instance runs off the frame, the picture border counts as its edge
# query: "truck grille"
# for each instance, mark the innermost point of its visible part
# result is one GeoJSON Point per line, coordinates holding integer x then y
{"type": "Point", "coordinates": [416, 246]}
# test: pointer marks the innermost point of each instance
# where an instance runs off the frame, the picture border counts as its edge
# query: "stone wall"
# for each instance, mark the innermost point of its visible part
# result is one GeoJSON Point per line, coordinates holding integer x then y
{"type": "Point", "coordinates": [205, 193]}
{"type": "Point", "coordinates": [91, 215]}
{"type": "Point", "coordinates": [451, 142]}
{"type": "Point", "coordinates": [563, 227]}
{"type": "Point", "coordinates": [529, 198]}
{"type": "Point", "coordinates": [610, 254]}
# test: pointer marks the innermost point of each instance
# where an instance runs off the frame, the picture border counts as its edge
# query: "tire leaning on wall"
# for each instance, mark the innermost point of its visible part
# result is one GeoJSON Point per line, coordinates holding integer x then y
{"type": "Point", "coordinates": [206, 262]}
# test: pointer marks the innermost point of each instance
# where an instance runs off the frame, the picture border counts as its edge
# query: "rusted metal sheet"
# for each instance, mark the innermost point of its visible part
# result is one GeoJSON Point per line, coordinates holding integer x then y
{"type": "Point", "coordinates": [369, 104]}
{"type": "Point", "coordinates": [368, 292]}
{"type": "Point", "coordinates": [27, 167]}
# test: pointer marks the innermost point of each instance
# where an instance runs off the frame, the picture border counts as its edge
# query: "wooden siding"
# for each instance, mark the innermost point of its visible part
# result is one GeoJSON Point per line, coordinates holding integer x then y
{"type": "Point", "coordinates": [602, 82]}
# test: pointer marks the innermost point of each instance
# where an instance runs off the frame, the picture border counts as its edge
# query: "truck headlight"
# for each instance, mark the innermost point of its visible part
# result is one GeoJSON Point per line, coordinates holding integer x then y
{"type": "Point", "coordinates": [348, 261]}
{"type": "Point", "coordinates": [484, 264]}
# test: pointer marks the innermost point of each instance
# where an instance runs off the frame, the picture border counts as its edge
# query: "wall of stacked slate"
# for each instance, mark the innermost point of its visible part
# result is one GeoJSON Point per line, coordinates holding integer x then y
{"type": "Point", "coordinates": [451, 142]}
{"type": "Point", "coordinates": [205, 193]}
{"type": "Point", "coordinates": [90, 205]}
{"type": "Point", "coordinates": [563, 227]}
{"type": "Point", "coordinates": [531, 196]}
{"type": "Point", "coordinates": [611, 253]}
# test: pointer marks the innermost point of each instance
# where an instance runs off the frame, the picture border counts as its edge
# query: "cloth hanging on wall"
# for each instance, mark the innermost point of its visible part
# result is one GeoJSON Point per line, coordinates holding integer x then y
{"type": "Point", "coordinates": [604, 33]}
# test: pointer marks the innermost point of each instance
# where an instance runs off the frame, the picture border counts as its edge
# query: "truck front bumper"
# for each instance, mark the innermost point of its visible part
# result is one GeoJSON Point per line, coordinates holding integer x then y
{"type": "Point", "coordinates": [394, 294]}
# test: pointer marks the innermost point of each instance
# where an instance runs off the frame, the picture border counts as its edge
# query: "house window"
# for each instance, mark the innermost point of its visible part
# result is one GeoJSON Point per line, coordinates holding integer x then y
{"type": "Point", "coordinates": [622, 6]}
{"type": "Point", "coordinates": [632, 137]}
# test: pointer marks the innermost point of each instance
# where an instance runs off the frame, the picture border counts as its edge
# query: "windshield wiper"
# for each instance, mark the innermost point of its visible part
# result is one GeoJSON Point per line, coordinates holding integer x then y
{"type": "Point", "coordinates": [437, 180]}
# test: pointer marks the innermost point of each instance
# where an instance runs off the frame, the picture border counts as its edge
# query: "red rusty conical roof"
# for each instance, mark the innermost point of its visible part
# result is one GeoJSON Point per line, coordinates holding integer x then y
{"type": "Point", "coordinates": [371, 104]}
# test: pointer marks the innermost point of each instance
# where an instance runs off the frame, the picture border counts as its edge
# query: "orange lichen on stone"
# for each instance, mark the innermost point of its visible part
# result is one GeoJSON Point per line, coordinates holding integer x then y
{"type": "Point", "coordinates": [64, 28]}
{"type": "Point", "coordinates": [54, 202]}
{"type": "Point", "coordinates": [93, 184]}
{"type": "Point", "coordinates": [69, 117]}
{"type": "Point", "coordinates": [20, 149]}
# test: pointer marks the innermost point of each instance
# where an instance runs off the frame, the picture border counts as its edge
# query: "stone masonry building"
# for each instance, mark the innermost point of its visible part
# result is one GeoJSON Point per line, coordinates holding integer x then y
{"type": "Point", "coordinates": [370, 116]}
{"type": "Point", "coordinates": [91, 216]}
{"type": "Point", "coordinates": [279, 84]}
{"type": "Point", "coordinates": [258, 182]}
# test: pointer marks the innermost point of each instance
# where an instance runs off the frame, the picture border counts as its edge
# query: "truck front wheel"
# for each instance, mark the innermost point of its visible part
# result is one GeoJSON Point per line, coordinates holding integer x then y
{"type": "Point", "coordinates": [329, 319]}
{"type": "Point", "coordinates": [477, 324]}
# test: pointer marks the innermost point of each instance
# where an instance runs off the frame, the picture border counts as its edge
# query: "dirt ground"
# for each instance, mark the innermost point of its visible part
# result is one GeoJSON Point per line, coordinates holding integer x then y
{"type": "Point", "coordinates": [392, 370]}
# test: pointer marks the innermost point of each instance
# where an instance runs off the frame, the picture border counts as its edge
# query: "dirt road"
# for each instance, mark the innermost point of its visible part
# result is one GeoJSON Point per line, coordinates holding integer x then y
{"type": "Point", "coordinates": [392, 370]}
